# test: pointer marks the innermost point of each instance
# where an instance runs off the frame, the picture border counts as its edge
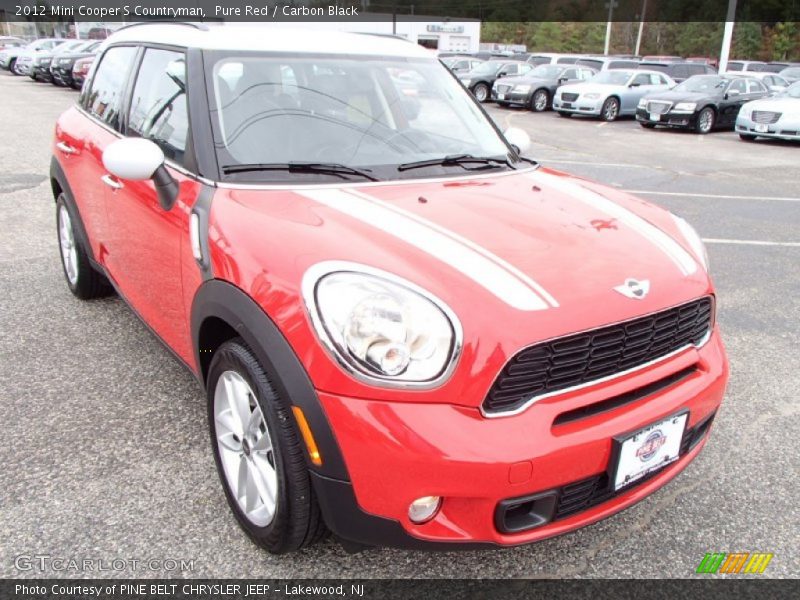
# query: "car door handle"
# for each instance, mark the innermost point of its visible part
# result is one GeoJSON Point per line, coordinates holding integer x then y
{"type": "Point", "coordinates": [111, 182]}
{"type": "Point", "coordinates": [66, 148]}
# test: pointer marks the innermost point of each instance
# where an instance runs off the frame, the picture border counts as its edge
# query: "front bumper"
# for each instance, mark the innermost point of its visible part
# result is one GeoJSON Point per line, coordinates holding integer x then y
{"type": "Point", "coordinates": [40, 73]}
{"type": "Point", "coordinates": [62, 75]}
{"type": "Point", "coordinates": [516, 98]}
{"type": "Point", "coordinates": [398, 452]}
{"type": "Point", "coordinates": [581, 106]}
{"type": "Point", "coordinates": [669, 119]}
{"type": "Point", "coordinates": [784, 129]}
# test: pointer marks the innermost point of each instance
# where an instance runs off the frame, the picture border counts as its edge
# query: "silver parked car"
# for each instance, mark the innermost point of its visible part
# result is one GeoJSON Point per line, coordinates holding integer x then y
{"type": "Point", "coordinates": [22, 60]}
{"type": "Point", "coordinates": [774, 83]}
{"type": "Point", "coordinates": [775, 117]}
{"type": "Point", "coordinates": [609, 94]}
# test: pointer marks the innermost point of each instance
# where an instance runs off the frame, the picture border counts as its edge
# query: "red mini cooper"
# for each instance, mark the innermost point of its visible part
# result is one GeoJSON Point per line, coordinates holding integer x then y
{"type": "Point", "coordinates": [408, 333]}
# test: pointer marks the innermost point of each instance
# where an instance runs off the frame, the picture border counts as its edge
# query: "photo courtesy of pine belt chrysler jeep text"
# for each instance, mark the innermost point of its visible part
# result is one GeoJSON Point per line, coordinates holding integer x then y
{"type": "Point", "coordinates": [408, 334]}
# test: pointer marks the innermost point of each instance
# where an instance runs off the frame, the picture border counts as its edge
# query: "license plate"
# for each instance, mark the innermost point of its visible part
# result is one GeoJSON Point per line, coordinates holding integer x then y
{"type": "Point", "coordinates": [501, 96]}
{"type": "Point", "coordinates": [567, 105]}
{"type": "Point", "coordinates": [654, 117]}
{"type": "Point", "coordinates": [760, 128]}
{"type": "Point", "coordinates": [649, 449]}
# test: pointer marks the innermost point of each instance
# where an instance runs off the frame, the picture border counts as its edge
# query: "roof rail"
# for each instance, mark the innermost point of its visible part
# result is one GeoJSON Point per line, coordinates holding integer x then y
{"type": "Point", "coordinates": [200, 26]}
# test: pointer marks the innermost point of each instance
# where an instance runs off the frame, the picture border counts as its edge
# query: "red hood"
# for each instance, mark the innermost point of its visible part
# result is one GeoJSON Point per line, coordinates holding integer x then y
{"type": "Point", "coordinates": [519, 258]}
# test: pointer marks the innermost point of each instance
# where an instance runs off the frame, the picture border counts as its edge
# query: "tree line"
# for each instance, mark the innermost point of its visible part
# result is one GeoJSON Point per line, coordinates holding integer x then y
{"type": "Point", "coordinates": [755, 41]}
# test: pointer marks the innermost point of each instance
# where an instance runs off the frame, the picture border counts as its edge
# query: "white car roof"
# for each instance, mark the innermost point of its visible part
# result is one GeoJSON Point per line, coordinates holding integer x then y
{"type": "Point", "coordinates": [269, 38]}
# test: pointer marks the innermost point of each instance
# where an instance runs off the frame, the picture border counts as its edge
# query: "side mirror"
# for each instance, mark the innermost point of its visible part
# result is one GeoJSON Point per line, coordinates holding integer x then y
{"type": "Point", "coordinates": [732, 93]}
{"type": "Point", "coordinates": [562, 80]}
{"type": "Point", "coordinates": [138, 159]}
{"type": "Point", "coordinates": [502, 74]}
{"type": "Point", "coordinates": [518, 138]}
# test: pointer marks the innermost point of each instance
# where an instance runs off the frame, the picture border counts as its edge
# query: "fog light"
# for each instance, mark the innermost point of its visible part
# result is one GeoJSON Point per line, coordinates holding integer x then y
{"type": "Point", "coordinates": [424, 509]}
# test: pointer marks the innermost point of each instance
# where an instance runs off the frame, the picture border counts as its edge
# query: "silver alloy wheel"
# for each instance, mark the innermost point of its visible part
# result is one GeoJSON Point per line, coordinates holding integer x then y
{"type": "Point", "coordinates": [706, 120]}
{"type": "Point", "coordinates": [66, 239]}
{"type": "Point", "coordinates": [540, 100]}
{"type": "Point", "coordinates": [245, 449]}
{"type": "Point", "coordinates": [611, 109]}
{"type": "Point", "coordinates": [481, 92]}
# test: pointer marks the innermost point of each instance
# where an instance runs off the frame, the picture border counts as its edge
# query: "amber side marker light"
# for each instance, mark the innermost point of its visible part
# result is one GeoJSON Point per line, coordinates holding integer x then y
{"type": "Point", "coordinates": [308, 437]}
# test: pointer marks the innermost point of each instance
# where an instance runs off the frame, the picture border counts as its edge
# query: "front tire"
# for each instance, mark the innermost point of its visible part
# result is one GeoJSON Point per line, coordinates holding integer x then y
{"type": "Point", "coordinates": [747, 138]}
{"type": "Point", "coordinates": [705, 121]}
{"type": "Point", "coordinates": [82, 279]}
{"type": "Point", "coordinates": [481, 92]}
{"type": "Point", "coordinates": [565, 114]}
{"type": "Point", "coordinates": [260, 460]}
{"type": "Point", "coordinates": [11, 66]}
{"type": "Point", "coordinates": [540, 101]}
{"type": "Point", "coordinates": [647, 125]}
{"type": "Point", "coordinates": [610, 110]}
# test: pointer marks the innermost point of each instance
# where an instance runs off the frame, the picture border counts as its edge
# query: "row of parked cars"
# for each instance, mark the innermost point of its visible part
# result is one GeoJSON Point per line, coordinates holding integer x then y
{"type": "Point", "coordinates": [658, 91]}
{"type": "Point", "coordinates": [62, 62]}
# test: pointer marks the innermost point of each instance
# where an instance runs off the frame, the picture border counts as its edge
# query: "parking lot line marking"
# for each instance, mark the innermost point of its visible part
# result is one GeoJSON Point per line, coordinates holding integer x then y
{"type": "Point", "coordinates": [728, 196]}
{"type": "Point", "coordinates": [751, 242]}
{"type": "Point", "coordinates": [594, 164]}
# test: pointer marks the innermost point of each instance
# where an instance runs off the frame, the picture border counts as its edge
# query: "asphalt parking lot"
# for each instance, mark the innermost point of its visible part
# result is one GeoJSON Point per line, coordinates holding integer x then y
{"type": "Point", "coordinates": [106, 453]}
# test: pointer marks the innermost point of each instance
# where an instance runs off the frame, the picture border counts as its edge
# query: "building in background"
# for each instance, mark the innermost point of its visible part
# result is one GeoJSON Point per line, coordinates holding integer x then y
{"type": "Point", "coordinates": [431, 32]}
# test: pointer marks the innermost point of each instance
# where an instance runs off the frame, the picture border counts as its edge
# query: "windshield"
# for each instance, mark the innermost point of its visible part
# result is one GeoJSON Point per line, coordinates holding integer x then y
{"type": "Point", "coordinates": [373, 114]}
{"type": "Point", "coordinates": [612, 77]}
{"type": "Point", "coordinates": [701, 83]}
{"type": "Point", "coordinates": [793, 91]}
{"type": "Point", "coordinates": [488, 68]}
{"type": "Point", "coordinates": [546, 71]}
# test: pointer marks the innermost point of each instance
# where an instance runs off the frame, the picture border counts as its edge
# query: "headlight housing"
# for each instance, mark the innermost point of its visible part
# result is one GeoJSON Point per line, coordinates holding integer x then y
{"type": "Point", "coordinates": [591, 96]}
{"type": "Point", "coordinates": [382, 329]}
{"type": "Point", "coordinates": [465, 82]}
{"type": "Point", "coordinates": [746, 112]}
{"type": "Point", "coordinates": [521, 89]}
{"type": "Point", "coordinates": [642, 103]}
{"type": "Point", "coordinates": [685, 107]}
{"type": "Point", "coordinates": [694, 240]}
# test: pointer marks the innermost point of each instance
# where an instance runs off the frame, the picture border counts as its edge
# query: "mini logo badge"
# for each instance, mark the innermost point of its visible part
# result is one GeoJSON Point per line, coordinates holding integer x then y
{"type": "Point", "coordinates": [633, 288]}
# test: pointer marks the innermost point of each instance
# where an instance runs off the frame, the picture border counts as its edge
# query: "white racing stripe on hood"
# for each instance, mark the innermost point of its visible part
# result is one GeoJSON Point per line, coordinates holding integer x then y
{"type": "Point", "coordinates": [674, 251]}
{"type": "Point", "coordinates": [479, 265]}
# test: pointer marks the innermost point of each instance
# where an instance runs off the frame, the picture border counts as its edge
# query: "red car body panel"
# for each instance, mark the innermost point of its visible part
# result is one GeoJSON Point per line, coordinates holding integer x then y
{"type": "Point", "coordinates": [402, 444]}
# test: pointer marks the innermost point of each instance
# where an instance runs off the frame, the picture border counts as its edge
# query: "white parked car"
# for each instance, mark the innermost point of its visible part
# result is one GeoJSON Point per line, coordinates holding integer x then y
{"type": "Point", "coordinates": [775, 117]}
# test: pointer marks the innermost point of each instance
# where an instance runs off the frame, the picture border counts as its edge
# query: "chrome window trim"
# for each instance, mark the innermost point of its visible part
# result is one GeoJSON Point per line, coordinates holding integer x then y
{"type": "Point", "coordinates": [534, 399]}
{"type": "Point", "coordinates": [316, 272]}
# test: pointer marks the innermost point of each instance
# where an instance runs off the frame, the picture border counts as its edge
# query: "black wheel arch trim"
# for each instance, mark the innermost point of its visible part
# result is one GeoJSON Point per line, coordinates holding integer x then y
{"type": "Point", "coordinates": [221, 300]}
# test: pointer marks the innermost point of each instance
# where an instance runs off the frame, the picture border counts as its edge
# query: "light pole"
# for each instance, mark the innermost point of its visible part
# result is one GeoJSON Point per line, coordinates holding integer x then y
{"type": "Point", "coordinates": [641, 28]}
{"type": "Point", "coordinates": [730, 20]}
{"type": "Point", "coordinates": [610, 5]}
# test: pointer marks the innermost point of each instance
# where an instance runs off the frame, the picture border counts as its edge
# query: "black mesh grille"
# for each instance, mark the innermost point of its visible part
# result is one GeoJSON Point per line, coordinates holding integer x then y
{"type": "Point", "coordinates": [569, 97]}
{"type": "Point", "coordinates": [585, 357]}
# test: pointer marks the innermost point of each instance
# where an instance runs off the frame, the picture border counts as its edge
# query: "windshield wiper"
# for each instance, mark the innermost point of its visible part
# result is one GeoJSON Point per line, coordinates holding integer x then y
{"type": "Point", "coordinates": [301, 167]}
{"type": "Point", "coordinates": [486, 162]}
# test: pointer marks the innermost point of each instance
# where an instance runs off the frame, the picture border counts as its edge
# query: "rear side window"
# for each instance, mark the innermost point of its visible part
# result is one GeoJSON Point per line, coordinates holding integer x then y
{"type": "Point", "coordinates": [104, 97]}
{"type": "Point", "coordinates": [734, 66]}
{"type": "Point", "coordinates": [567, 60]}
{"type": "Point", "coordinates": [158, 104]}
{"type": "Point", "coordinates": [587, 62]}
{"type": "Point", "coordinates": [623, 64]}
{"type": "Point", "coordinates": [539, 60]}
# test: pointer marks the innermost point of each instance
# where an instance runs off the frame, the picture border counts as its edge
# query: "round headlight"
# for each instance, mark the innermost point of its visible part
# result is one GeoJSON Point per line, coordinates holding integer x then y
{"type": "Point", "coordinates": [380, 327]}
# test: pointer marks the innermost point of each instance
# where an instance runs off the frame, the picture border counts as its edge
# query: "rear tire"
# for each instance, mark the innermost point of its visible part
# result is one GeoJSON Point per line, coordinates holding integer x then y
{"type": "Point", "coordinates": [243, 410]}
{"type": "Point", "coordinates": [747, 138]}
{"type": "Point", "coordinates": [82, 279]}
